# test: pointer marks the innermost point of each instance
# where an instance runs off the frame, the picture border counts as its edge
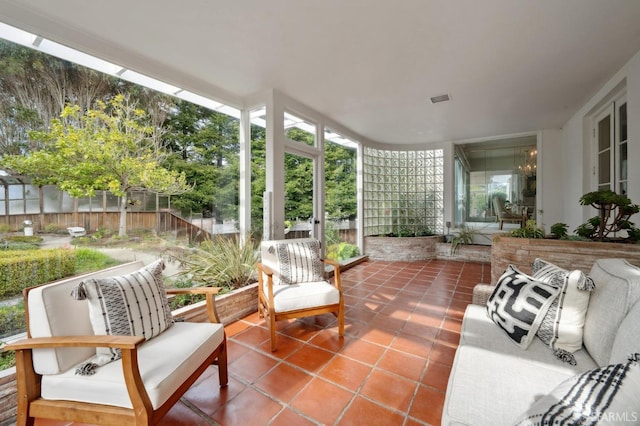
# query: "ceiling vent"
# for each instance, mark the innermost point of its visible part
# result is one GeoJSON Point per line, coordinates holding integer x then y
{"type": "Point", "coordinates": [440, 98]}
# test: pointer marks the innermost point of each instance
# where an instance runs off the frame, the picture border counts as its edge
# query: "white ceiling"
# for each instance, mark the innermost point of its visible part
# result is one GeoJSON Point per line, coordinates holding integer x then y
{"type": "Point", "coordinates": [510, 66]}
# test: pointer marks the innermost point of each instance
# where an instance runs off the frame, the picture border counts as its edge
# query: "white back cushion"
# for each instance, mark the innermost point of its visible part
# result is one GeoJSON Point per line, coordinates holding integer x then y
{"type": "Point", "coordinates": [617, 290]}
{"type": "Point", "coordinates": [293, 261]}
{"type": "Point", "coordinates": [53, 312]}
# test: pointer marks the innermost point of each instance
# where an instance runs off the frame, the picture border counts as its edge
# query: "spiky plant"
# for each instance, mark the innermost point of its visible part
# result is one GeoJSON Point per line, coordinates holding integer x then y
{"type": "Point", "coordinates": [221, 261]}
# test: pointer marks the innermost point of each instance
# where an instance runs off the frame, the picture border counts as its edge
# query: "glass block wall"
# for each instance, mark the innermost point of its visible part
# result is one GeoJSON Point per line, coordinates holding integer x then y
{"type": "Point", "coordinates": [403, 192]}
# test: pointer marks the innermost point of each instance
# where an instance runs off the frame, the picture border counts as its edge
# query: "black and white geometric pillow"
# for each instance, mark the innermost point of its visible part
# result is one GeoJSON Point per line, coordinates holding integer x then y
{"type": "Point", "coordinates": [300, 262]}
{"type": "Point", "coordinates": [128, 305]}
{"type": "Point", "coordinates": [562, 326]}
{"type": "Point", "coordinates": [518, 305]}
{"type": "Point", "coordinates": [605, 396]}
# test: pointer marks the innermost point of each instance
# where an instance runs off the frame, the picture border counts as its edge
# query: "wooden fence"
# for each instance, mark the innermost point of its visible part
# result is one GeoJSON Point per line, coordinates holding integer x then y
{"type": "Point", "coordinates": [162, 222]}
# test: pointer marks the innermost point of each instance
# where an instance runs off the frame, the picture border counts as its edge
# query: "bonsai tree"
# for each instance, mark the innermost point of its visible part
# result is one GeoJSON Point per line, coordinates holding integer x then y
{"type": "Point", "coordinates": [614, 211]}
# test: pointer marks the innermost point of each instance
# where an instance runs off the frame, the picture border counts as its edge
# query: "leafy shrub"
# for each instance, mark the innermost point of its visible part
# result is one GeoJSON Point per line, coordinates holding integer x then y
{"type": "Point", "coordinates": [54, 228]}
{"type": "Point", "coordinates": [180, 300]}
{"type": "Point", "coordinates": [12, 319]}
{"type": "Point", "coordinates": [31, 239]}
{"type": "Point", "coordinates": [342, 251]}
{"type": "Point", "coordinates": [559, 230]}
{"type": "Point", "coordinates": [26, 268]}
{"type": "Point", "coordinates": [5, 227]}
{"type": "Point", "coordinates": [614, 211]}
{"type": "Point", "coordinates": [528, 231]}
{"type": "Point", "coordinates": [7, 359]}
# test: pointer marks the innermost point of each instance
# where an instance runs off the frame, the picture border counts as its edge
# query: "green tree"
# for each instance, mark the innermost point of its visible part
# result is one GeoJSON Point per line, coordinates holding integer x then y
{"type": "Point", "coordinates": [35, 87]}
{"type": "Point", "coordinates": [112, 148]}
{"type": "Point", "coordinates": [340, 181]}
{"type": "Point", "coordinates": [205, 146]}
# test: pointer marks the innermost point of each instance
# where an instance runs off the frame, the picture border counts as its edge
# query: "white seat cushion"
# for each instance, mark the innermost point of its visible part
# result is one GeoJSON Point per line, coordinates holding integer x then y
{"type": "Point", "coordinates": [290, 297]}
{"type": "Point", "coordinates": [186, 345]}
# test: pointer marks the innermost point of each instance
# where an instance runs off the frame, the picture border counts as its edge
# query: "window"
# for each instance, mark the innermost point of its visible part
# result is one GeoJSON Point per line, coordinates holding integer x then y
{"type": "Point", "coordinates": [610, 133]}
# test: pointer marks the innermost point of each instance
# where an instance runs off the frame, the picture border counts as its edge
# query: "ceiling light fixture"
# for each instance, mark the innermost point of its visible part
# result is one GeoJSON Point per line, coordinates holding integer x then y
{"type": "Point", "coordinates": [440, 98]}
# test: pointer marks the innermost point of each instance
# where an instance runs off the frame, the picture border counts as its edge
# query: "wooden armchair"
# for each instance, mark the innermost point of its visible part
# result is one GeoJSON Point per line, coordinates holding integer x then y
{"type": "Point", "coordinates": [292, 283]}
{"type": "Point", "coordinates": [140, 388]}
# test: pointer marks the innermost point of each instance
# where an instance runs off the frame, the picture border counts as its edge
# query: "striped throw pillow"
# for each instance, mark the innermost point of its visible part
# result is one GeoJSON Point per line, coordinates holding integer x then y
{"type": "Point", "coordinates": [563, 324]}
{"type": "Point", "coordinates": [300, 262]}
{"type": "Point", "coordinates": [604, 396]}
{"type": "Point", "coordinates": [128, 305]}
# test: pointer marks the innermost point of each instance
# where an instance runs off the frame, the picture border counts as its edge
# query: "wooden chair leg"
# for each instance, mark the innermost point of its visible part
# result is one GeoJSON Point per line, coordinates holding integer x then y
{"type": "Point", "coordinates": [223, 375]}
{"type": "Point", "coordinates": [272, 329]}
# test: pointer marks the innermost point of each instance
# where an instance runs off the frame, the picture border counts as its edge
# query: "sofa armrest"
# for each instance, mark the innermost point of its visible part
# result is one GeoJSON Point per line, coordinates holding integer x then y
{"type": "Point", "coordinates": [481, 293]}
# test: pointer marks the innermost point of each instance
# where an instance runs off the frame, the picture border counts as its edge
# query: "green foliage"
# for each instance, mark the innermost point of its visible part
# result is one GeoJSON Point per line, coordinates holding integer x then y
{"type": "Point", "coordinates": [530, 230]}
{"type": "Point", "coordinates": [7, 359]}
{"type": "Point", "coordinates": [29, 239]}
{"type": "Point", "coordinates": [21, 269]}
{"type": "Point", "coordinates": [113, 147]}
{"type": "Point", "coordinates": [88, 260]}
{"type": "Point", "coordinates": [53, 228]}
{"type": "Point", "coordinates": [614, 211]}
{"type": "Point", "coordinates": [221, 261]}
{"type": "Point", "coordinates": [465, 236]}
{"type": "Point", "coordinates": [12, 319]}
{"type": "Point", "coordinates": [559, 230]}
{"type": "Point", "coordinates": [5, 227]}
{"type": "Point", "coordinates": [342, 251]}
{"type": "Point", "coordinates": [180, 300]}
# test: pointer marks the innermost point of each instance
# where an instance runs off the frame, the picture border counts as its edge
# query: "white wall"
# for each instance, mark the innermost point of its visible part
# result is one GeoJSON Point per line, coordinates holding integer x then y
{"type": "Point", "coordinates": [549, 202]}
{"type": "Point", "coordinates": [575, 176]}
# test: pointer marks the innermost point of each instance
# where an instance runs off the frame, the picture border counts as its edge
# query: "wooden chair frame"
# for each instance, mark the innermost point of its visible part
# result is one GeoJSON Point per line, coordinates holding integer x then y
{"type": "Point", "coordinates": [31, 405]}
{"type": "Point", "coordinates": [266, 305]}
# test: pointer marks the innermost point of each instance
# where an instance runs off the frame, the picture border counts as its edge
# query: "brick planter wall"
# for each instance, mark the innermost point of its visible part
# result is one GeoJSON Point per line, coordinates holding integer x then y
{"type": "Point", "coordinates": [567, 254]}
{"type": "Point", "coordinates": [465, 253]}
{"type": "Point", "coordinates": [8, 401]}
{"type": "Point", "coordinates": [406, 249]}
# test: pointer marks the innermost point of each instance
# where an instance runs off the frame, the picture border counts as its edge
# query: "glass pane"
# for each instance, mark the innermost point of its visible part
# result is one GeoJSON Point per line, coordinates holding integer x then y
{"type": "Point", "coordinates": [340, 199]}
{"type": "Point", "coordinates": [31, 191]}
{"type": "Point", "coordinates": [623, 188]}
{"type": "Point", "coordinates": [604, 168]}
{"type": "Point", "coordinates": [51, 199]}
{"type": "Point", "coordinates": [33, 206]}
{"type": "Point", "coordinates": [604, 134]}
{"type": "Point", "coordinates": [622, 118]}
{"type": "Point", "coordinates": [623, 161]}
{"type": "Point", "coordinates": [16, 207]}
{"type": "Point", "coordinates": [298, 204]}
{"type": "Point", "coordinates": [299, 130]}
{"type": "Point", "coordinates": [16, 192]}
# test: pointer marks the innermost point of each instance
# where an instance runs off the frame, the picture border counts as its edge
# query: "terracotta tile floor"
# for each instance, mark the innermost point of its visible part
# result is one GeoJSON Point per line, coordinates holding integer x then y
{"type": "Point", "coordinates": [401, 331]}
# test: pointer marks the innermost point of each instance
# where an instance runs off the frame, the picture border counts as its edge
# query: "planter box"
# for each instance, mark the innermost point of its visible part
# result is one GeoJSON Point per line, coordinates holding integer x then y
{"type": "Point", "coordinates": [8, 396]}
{"type": "Point", "coordinates": [465, 253]}
{"type": "Point", "coordinates": [230, 307]}
{"type": "Point", "coordinates": [396, 249]}
{"type": "Point", "coordinates": [581, 255]}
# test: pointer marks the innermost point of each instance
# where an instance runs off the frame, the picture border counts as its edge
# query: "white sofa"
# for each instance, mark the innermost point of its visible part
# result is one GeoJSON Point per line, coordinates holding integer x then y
{"type": "Point", "coordinates": [493, 381]}
{"type": "Point", "coordinates": [139, 388]}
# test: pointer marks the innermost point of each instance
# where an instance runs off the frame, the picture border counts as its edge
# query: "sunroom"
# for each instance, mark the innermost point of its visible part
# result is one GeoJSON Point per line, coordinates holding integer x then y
{"type": "Point", "coordinates": [445, 105]}
{"type": "Point", "coordinates": [519, 130]}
